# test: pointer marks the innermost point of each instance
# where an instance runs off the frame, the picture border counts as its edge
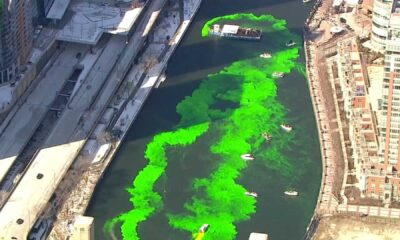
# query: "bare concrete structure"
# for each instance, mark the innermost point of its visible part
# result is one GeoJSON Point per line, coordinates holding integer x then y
{"type": "Point", "coordinates": [83, 228]}
{"type": "Point", "coordinates": [71, 131]}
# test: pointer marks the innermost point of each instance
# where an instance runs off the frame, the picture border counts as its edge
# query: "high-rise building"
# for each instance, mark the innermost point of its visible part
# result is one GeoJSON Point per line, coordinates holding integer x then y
{"type": "Point", "coordinates": [390, 116]}
{"type": "Point", "coordinates": [382, 179]}
{"type": "Point", "coordinates": [16, 37]}
{"type": "Point", "coordinates": [380, 22]}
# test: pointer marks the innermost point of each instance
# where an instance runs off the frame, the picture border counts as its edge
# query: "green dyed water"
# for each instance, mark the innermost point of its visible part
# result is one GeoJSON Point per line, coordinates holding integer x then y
{"type": "Point", "coordinates": [192, 172]}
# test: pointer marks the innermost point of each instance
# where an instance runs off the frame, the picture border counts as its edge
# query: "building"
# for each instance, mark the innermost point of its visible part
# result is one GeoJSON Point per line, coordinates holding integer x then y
{"type": "Point", "coordinates": [16, 38]}
{"type": "Point", "coordinates": [43, 8]}
{"type": "Point", "coordinates": [83, 228]}
{"type": "Point", "coordinates": [383, 179]}
{"type": "Point", "coordinates": [362, 127]}
{"type": "Point", "coordinates": [380, 22]}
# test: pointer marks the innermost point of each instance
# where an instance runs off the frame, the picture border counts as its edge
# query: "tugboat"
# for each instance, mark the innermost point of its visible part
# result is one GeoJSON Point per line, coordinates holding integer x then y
{"type": "Point", "coordinates": [286, 127]}
{"type": "Point", "coordinates": [235, 31]}
{"type": "Point", "coordinates": [290, 43]}
{"type": "Point", "coordinates": [266, 55]}
{"type": "Point", "coordinates": [291, 193]}
{"type": "Point", "coordinates": [267, 136]}
{"type": "Point", "coordinates": [278, 74]}
{"type": "Point", "coordinates": [251, 194]}
{"type": "Point", "coordinates": [247, 157]}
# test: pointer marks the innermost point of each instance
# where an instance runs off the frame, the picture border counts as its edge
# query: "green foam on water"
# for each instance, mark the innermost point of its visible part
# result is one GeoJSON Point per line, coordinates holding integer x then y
{"type": "Point", "coordinates": [145, 200]}
{"type": "Point", "coordinates": [252, 91]}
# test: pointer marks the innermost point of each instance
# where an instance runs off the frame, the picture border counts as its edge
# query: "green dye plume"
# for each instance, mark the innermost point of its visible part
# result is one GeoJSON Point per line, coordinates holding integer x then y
{"type": "Point", "coordinates": [274, 24]}
{"type": "Point", "coordinates": [145, 200]}
{"type": "Point", "coordinates": [251, 90]}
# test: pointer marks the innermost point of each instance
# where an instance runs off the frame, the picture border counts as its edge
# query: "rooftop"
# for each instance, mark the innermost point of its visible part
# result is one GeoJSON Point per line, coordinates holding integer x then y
{"type": "Point", "coordinates": [89, 21]}
{"type": "Point", "coordinates": [230, 29]}
{"type": "Point", "coordinates": [83, 220]}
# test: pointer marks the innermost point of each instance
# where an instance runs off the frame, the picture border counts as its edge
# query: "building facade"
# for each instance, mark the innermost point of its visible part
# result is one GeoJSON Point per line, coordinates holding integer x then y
{"type": "Point", "coordinates": [380, 22]}
{"type": "Point", "coordinates": [382, 179]}
{"type": "Point", "coordinates": [16, 37]}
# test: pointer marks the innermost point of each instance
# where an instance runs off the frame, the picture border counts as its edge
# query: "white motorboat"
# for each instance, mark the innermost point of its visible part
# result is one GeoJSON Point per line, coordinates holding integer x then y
{"type": "Point", "coordinates": [247, 157]}
{"type": "Point", "coordinates": [286, 127]}
{"type": "Point", "coordinates": [290, 43]}
{"type": "Point", "coordinates": [204, 228]}
{"type": "Point", "coordinates": [251, 194]}
{"type": "Point", "coordinates": [278, 74]}
{"type": "Point", "coordinates": [265, 55]}
{"type": "Point", "coordinates": [306, 1]}
{"type": "Point", "coordinates": [266, 136]}
{"type": "Point", "coordinates": [291, 193]}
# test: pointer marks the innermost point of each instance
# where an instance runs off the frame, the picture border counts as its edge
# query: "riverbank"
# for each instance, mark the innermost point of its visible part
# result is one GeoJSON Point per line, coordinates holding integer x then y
{"type": "Point", "coordinates": [142, 79]}
{"type": "Point", "coordinates": [325, 112]}
{"type": "Point", "coordinates": [325, 116]}
{"type": "Point", "coordinates": [322, 49]}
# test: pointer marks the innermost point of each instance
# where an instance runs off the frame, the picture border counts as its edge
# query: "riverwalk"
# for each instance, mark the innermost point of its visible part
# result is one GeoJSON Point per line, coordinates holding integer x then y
{"type": "Point", "coordinates": [141, 79]}
{"type": "Point", "coordinates": [325, 114]}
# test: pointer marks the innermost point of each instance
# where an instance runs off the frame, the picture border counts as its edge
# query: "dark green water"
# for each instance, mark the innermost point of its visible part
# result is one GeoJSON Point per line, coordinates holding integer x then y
{"type": "Point", "coordinates": [281, 217]}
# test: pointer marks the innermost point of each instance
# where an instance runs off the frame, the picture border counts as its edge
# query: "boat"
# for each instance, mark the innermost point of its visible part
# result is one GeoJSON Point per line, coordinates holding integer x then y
{"type": "Point", "coordinates": [235, 31]}
{"type": "Point", "coordinates": [290, 43]}
{"type": "Point", "coordinates": [306, 1]}
{"type": "Point", "coordinates": [204, 228]}
{"type": "Point", "coordinates": [265, 55]}
{"type": "Point", "coordinates": [266, 136]}
{"type": "Point", "coordinates": [286, 127]}
{"type": "Point", "coordinates": [247, 157]}
{"type": "Point", "coordinates": [251, 194]}
{"type": "Point", "coordinates": [291, 193]}
{"type": "Point", "coordinates": [258, 236]}
{"type": "Point", "coordinates": [278, 74]}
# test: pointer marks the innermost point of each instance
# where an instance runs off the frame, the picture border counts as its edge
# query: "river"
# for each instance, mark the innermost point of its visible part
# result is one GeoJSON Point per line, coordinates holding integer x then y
{"type": "Point", "coordinates": [282, 217]}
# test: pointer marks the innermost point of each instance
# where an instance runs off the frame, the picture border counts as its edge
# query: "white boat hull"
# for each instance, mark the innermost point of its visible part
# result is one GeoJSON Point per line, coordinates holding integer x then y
{"type": "Point", "coordinates": [247, 157]}
{"type": "Point", "coordinates": [286, 128]}
{"type": "Point", "coordinates": [291, 193]}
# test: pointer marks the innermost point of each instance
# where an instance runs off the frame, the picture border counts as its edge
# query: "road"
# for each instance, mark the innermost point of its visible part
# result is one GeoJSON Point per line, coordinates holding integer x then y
{"type": "Point", "coordinates": [28, 117]}
{"type": "Point", "coordinates": [70, 133]}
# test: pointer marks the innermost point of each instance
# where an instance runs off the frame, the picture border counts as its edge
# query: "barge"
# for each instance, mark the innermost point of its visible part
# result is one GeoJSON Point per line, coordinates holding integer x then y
{"type": "Point", "coordinates": [235, 31]}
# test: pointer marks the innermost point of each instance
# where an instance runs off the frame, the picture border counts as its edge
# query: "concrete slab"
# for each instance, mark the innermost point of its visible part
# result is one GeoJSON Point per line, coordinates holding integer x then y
{"type": "Point", "coordinates": [29, 115]}
{"type": "Point", "coordinates": [90, 21]}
